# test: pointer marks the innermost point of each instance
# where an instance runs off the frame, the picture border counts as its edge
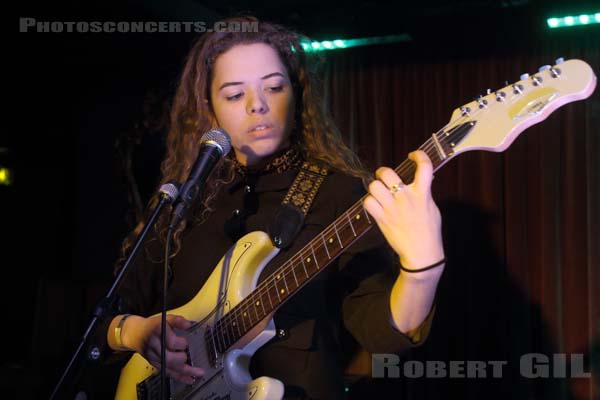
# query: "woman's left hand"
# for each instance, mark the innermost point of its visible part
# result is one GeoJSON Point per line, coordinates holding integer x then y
{"type": "Point", "coordinates": [406, 214]}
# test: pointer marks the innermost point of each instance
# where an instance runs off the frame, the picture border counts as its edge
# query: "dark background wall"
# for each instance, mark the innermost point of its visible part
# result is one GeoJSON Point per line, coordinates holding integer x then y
{"type": "Point", "coordinates": [76, 102]}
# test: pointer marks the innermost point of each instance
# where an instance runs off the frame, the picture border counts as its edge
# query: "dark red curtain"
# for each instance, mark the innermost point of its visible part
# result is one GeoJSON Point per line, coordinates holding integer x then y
{"type": "Point", "coordinates": [521, 228]}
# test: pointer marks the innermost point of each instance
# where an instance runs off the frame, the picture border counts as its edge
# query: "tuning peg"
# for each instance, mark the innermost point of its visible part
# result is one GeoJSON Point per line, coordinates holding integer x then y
{"type": "Point", "coordinates": [524, 76]}
{"type": "Point", "coordinates": [559, 60]}
{"type": "Point", "coordinates": [517, 89]}
{"type": "Point", "coordinates": [482, 103]}
{"type": "Point", "coordinates": [544, 68]}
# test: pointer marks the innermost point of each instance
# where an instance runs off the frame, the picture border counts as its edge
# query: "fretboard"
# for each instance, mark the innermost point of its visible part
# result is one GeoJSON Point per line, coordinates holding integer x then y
{"type": "Point", "coordinates": [296, 272]}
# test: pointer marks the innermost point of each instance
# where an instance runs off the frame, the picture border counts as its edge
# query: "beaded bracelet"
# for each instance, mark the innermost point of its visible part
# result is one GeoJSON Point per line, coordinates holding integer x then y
{"type": "Point", "coordinates": [443, 260]}
{"type": "Point", "coordinates": [119, 328]}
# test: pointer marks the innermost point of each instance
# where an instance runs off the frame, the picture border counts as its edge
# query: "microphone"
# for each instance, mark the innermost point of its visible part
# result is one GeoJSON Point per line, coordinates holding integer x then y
{"type": "Point", "coordinates": [214, 144]}
{"type": "Point", "coordinates": [169, 191]}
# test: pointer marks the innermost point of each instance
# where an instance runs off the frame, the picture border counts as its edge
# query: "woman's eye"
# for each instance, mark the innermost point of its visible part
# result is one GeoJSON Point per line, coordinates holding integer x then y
{"type": "Point", "coordinates": [234, 97]}
{"type": "Point", "coordinates": [276, 88]}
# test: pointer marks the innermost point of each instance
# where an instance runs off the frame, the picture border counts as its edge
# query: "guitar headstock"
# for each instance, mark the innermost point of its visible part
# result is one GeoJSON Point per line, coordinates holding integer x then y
{"type": "Point", "coordinates": [493, 121]}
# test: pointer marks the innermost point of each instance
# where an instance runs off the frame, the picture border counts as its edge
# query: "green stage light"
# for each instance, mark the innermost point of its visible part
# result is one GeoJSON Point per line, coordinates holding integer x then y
{"type": "Point", "coordinates": [342, 44]}
{"type": "Point", "coordinates": [570, 20]}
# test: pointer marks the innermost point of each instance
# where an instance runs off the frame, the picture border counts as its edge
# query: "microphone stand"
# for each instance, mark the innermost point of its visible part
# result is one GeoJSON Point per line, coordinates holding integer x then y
{"type": "Point", "coordinates": [168, 193]}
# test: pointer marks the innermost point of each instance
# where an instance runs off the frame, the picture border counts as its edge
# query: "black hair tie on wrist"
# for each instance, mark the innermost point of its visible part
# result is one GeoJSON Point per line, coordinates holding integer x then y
{"type": "Point", "coordinates": [437, 264]}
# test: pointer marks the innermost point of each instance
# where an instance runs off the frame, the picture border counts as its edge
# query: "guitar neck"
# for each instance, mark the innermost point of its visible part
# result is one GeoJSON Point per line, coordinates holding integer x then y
{"type": "Point", "coordinates": [296, 272]}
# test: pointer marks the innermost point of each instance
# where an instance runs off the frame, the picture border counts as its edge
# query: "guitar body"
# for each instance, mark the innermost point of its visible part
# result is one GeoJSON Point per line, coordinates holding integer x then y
{"type": "Point", "coordinates": [232, 280]}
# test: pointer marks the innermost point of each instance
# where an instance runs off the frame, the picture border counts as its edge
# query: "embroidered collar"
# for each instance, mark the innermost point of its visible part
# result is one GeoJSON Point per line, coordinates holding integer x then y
{"type": "Point", "coordinates": [288, 159]}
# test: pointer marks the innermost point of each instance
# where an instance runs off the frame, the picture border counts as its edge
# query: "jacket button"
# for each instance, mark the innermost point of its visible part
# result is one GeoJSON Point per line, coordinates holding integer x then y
{"type": "Point", "coordinates": [236, 212]}
{"type": "Point", "coordinates": [282, 333]}
{"type": "Point", "coordinates": [247, 189]}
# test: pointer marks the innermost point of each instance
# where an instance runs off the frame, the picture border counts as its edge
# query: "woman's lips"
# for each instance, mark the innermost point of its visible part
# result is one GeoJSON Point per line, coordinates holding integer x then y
{"type": "Point", "coordinates": [260, 129]}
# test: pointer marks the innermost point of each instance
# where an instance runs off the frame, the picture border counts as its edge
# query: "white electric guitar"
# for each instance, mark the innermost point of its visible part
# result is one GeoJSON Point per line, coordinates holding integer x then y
{"type": "Point", "coordinates": [235, 312]}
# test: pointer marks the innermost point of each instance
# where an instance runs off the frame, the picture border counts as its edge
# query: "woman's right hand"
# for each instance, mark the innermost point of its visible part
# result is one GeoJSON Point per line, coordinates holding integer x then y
{"type": "Point", "coordinates": [143, 335]}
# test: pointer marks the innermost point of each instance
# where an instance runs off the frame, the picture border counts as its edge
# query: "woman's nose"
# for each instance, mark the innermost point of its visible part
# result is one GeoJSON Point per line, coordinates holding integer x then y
{"type": "Point", "coordinates": [257, 104]}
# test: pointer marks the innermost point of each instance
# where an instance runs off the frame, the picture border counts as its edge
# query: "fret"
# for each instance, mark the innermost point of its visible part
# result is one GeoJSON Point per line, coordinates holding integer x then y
{"type": "Point", "coordinates": [337, 234]}
{"type": "Point", "coordinates": [224, 333]}
{"type": "Point", "coordinates": [236, 324]}
{"type": "Point", "coordinates": [325, 245]}
{"type": "Point", "coordinates": [248, 307]}
{"type": "Point", "coordinates": [276, 289]}
{"type": "Point", "coordinates": [367, 215]}
{"type": "Point", "coordinates": [330, 240]}
{"type": "Point", "coordinates": [230, 333]}
{"type": "Point", "coordinates": [268, 289]}
{"type": "Point", "coordinates": [294, 273]}
{"type": "Point", "coordinates": [246, 316]}
{"type": "Point", "coordinates": [260, 303]}
{"type": "Point", "coordinates": [284, 281]}
{"type": "Point", "coordinates": [239, 333]}
{"type": "Point", "coordinates": [304, 266]}
{"type": "Point", "coordinates": [239, 313]}
{"type": "Point", "coordinates": [350, 222]}
{"type": "Point", "coordinates": [313, 253]}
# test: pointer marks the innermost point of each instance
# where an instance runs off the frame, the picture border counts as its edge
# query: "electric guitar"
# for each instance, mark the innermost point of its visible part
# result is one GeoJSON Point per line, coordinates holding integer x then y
{"type": "Point", "coordinates": [235, 311]}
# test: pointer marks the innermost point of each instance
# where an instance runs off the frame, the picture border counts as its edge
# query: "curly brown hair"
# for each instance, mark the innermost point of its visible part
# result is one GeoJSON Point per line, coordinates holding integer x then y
{"type": "Point", "coordinates": [315, 134]}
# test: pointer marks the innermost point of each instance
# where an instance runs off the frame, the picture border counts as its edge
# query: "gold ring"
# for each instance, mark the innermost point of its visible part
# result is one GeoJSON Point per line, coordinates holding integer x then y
{"type": "Point", "coordinates": [397, 187]}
